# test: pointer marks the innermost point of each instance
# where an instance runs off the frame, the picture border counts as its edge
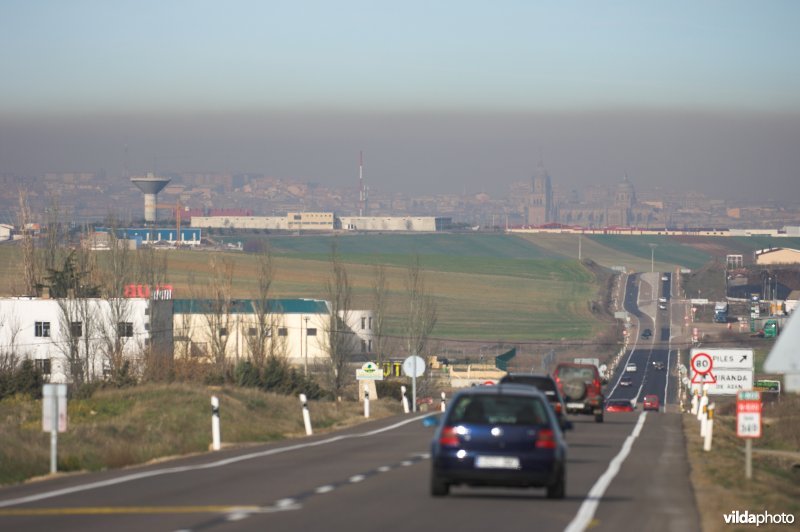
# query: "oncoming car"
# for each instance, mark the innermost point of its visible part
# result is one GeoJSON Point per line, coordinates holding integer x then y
{"type": "Point", "coordinates": [651, 402]}
{"type": "Point", "coordinates": [504, 435]}
{"type": "Point", "coordinates": [626, 381]}
{"type": "Point", "coordinates": [619, 405]}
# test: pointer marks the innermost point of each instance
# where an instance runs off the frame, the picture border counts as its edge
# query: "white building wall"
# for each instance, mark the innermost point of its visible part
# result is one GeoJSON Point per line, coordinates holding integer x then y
{"type": "Point", "coordinates": [389, 223]}
{"type": "Point", "coordinates": [241, 222]}
{"type": "Point", "coordinates": [19, 333]}
{"type": "Point", "coordinates": [5, 231]}
{"type": "Point", "coordinates": [301, 336]}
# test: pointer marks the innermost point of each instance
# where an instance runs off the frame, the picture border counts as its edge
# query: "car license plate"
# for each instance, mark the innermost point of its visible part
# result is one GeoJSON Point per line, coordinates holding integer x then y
{"type": "Point", "coordinates": [497, 462]}
{"type": "Point", "coordinates": [574, 405]}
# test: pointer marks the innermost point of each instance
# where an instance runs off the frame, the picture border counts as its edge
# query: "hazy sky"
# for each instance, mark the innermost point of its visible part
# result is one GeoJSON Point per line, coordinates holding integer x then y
{"type": "Point", "coordinates": [440, 95]}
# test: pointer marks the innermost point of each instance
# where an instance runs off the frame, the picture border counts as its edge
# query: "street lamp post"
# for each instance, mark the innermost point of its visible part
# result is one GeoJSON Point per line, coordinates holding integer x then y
{"type": "Point", "coordinates": [306, 341]}
{"type": "Point", "coordinates": [652, 256]}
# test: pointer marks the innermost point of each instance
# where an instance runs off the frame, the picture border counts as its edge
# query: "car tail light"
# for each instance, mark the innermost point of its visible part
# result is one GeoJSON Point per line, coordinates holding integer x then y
{"type": "Point", "coordinates": [449, 437]}
{"type": "Point", "coordinates": [596, 385]}
{"type": "Point", "coordinates": [546, 439]}
{"type": "Point", "coordinates": [558, 408]}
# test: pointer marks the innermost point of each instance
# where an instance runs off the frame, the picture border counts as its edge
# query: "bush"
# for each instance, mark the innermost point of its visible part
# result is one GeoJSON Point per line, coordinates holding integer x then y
{"type": "Point", "coordinates": [24, 379]}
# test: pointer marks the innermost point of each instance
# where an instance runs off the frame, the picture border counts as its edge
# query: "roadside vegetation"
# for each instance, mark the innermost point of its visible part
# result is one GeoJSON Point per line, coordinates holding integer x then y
{"type": "Point", "coordinates": [120, 427]}
{"type": "Point", "coordinates": [718, 476]}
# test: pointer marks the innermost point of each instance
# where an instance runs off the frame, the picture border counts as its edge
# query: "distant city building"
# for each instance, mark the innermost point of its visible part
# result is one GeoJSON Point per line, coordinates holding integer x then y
{"type": "Point", "coordinates": [540, 209]}
{"type": "Point", "coordinates": [395, 223]}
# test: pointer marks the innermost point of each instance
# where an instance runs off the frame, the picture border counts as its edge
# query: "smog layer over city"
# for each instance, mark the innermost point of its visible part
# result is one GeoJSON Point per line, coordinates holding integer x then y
{"type": "Point", "coordinates": [687, 100]}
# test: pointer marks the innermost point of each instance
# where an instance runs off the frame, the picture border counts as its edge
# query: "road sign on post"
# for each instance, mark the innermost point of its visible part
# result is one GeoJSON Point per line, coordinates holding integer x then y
{"type": "Point", "coordinates": [54, 417]}
{"type": "Point", "coordinates": [732, 370]}
{"type": "Point", "coordinates": [748, 414]}
{"type": "Point", "coordinates": [748, 425]}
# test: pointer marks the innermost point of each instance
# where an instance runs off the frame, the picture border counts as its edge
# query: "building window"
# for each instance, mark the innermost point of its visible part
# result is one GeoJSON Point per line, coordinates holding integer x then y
{"type": "Point", "coordinates": [311, 332]}
{"type": "Point", "coordinates": [252, 331]}
{"type": "Point", "coordinates": [125, 329]}
{"type": "Point", "coordinates": [223, 331]}
{"type": "Point", "coordinates": [43, 365]}
{"type": "Point", "coordinates": [369, 345]}
{"type": "Point", "coordinates": [42, 329]}
{"type": "Point", "coordinates": [283, 331]}
{"type": "Point", "coordinates": [363, 346]}
{"type": "Point", "coordinates": [370, 323]}
{"type": "Point", "coordinates": [76, 329]}
{"type": "Point", "coordinates": [363, 322]}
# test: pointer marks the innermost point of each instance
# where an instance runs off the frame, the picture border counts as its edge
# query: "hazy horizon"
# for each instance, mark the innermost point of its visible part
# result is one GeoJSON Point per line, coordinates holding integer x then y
{"type": "Point", "coordinates": [449, 96]}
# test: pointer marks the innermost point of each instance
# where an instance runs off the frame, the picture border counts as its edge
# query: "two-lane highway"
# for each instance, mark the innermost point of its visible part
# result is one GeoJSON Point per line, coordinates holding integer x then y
{"type": "Point", "coordinates": [367, 478]}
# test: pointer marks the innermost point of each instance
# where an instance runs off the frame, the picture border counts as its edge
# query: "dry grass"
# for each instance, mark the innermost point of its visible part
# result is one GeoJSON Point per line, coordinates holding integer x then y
{"type": "Point", "coordinates": [122, 427]}
{"type": "Point", "coordinates": [718, 476]}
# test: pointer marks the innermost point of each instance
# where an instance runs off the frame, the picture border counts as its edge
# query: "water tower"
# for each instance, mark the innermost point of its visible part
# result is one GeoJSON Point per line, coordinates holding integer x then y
{"type": "Point", "coordinates": [150, 185]}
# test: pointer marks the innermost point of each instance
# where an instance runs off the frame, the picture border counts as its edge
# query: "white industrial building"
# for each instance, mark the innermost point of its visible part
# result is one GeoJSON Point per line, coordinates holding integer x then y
{"type": "Point", "coordinates": [52, 332]}
{"type": "Point", "coordinates": [6, 231]}
{"type": "Point", "coordinates": [324, 221]}
{"type": "Point", "coordinates": [777, 256]}
{"type": "Point", "coordinates": [395, 223]}
{"type": "Point", "coordinates": [298, 329]}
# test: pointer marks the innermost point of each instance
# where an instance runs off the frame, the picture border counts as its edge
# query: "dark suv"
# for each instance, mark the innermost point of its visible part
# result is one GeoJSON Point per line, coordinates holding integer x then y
{"type": "Point", "coordinates": [548, 386]}
{"type": "Point", "coordinates": [582, 388]}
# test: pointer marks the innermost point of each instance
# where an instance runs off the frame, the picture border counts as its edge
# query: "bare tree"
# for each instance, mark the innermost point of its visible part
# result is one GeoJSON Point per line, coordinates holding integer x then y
{"type": "Point", "coordinates": [380, 294]}
{"type": "Point", "coordinates": [421, 317]}
{"type": "Point", "coordinates": [116, 331]}
{"type": "Point", "coordinates": [31, 269]}
{"type": "Point", "coordinates": [260, 341]}
{"type": "Point", "coordinates": [10, 355]}
{"type": "Point", "coordinates": [218, 309]}
{"type": "Point", "coordinates": [338, 339]}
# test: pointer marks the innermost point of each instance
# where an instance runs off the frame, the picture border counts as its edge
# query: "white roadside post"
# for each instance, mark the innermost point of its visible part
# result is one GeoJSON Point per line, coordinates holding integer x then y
{"type": "Point", "coordinates": [444, 403]}
{"type": "Point", "coordinates": [695, 403]}
{"type": "Point", "coordinates": [366, 401]}
{"type": "Point", "coordinates": [215, 439]}
{"type": "Point", "coordinates": [404, 399]}
{"type": "Point", "coordinates": [306, 415]}
{"type": "Point", "coordinates": [54, 417]}
{"type": "Point", "coordinates": [709, 428]}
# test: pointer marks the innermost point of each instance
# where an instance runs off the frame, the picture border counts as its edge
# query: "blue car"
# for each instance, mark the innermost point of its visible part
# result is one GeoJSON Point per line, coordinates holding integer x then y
{"type": "Point", "coordinates": [504, 435]}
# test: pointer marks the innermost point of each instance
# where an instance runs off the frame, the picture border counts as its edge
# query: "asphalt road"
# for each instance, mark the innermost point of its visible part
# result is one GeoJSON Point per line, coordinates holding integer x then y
{"type": "Point", "coordinates": [628, 473]}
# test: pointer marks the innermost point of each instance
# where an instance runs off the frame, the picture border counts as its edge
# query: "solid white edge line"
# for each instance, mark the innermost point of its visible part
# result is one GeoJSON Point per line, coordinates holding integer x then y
{"type": "Point", "coordinates": [219, 463]}
{"type": "Point", "coordinates": [589, 506]}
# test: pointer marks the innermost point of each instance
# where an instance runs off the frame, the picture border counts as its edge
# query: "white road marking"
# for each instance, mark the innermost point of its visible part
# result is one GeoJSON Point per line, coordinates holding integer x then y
{"type": "Point", "coordinates": [283, 503]}
{"type": "Point", "coordinates": [211, 465]}
{"type": "Point", "coordinates": [324, 489]}
{"type": "Point", "coordinates": [589, 506]}
{"type": "Point", "coordinates": [406, 463]}
{"type": "Point", "coordinates": [237, 516]}
{"type": "Point", "coordinates": [384, 469]}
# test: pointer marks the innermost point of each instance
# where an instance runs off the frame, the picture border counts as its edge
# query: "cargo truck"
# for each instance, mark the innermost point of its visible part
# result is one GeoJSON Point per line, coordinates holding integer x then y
{"type": "Point", "coordinates": [721, 312]}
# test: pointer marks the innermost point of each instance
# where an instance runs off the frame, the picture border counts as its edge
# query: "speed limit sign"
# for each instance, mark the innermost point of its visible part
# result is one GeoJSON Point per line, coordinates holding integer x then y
{"type": "Point", "coordinates": [702, 363]}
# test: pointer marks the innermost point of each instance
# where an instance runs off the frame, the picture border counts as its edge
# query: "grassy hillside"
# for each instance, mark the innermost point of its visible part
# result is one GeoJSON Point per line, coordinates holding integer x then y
{"type": "Point", "coordinates": [487, 287]}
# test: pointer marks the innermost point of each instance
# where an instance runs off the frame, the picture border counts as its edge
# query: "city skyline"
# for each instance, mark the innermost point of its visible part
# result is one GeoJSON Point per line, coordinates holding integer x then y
{"type": "Point", "coordinates": [450, 96]}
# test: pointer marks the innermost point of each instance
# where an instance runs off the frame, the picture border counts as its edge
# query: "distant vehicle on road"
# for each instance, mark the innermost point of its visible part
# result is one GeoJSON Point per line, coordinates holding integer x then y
{"type": "Point", "coordinates": [647, 333]}
{"type": "Point", "coordinates": [619, 405]}
{"type": "Point", "coordinates": [651, 402]}
{"type": "Point", "coordinates": [582, 388]}
{"type": "Point", "coordinates": [662, 306]}
{"type": "Point", "coordinates": [659, 365]}
{"type": "Point", "coordinates": [631, 368]}
{"type": "Point", "coordinates": [504, 435]}
{"type": "Point", "coordinates": [626, 381]}
{"type": "Point", "coordinates": [665, 278]}
{"type": "Point", "coordinates": [547, 385]}
{"type": "Point", "coordinates": [721, 312]}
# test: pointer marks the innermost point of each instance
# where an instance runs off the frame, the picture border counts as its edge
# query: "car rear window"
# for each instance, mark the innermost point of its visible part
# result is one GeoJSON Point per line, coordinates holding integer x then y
{"type": "Point", "coordinates": [499, 409]}
{"type": "Point", "coordinates": [545, 384]}
{"type": "Point", "coordinates": [572, 372]}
